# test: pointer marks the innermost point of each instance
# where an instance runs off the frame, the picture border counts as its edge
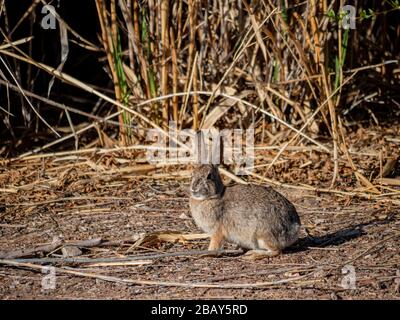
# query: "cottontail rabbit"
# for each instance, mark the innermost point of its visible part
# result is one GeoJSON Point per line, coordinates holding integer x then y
{"type": "Point", "coordinates": [251, 216]}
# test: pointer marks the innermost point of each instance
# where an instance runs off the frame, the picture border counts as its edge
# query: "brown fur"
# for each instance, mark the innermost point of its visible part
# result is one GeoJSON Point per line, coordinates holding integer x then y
{"type": "Point", "coordinates": [254, 217]}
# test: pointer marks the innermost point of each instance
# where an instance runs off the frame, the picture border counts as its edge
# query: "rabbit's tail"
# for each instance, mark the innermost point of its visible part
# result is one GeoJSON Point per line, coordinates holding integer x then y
{"type": "Point", "coordinates": [294, 233]}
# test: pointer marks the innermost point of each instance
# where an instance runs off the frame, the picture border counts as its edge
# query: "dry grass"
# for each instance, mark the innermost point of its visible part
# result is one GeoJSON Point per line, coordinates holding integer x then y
{"type": "Point", "coordinates": [296, 65]}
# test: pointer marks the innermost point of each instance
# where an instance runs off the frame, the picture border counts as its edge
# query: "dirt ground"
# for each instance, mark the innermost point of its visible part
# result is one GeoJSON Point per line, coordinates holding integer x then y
{"type": "Point", "coordinates": [349, 246]}
{"type": "Point", "coordinates": [338, 234]}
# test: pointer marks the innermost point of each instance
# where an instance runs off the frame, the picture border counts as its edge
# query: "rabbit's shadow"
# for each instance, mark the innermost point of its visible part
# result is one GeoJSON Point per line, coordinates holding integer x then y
{"type": "Point", "coordinates": [335, 238]}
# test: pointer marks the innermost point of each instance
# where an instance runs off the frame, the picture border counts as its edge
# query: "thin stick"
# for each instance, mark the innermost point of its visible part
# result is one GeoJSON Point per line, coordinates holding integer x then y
{"type": "Point", "coordinates": [150, 256]}
{"type": "Point", "coordinates": [317, 76]}
{"type": "Point", "coordinates": [324, 190]}
{"type": "Point", "coordinates": [164, 63]}
{"type": "Point", "coordinates": [48, 248]}
{"type": "Point", "coordinates": [334, 126]}
{"type": "Point", "coordinates": [152, 282]}
{"type": "Point", "coordinates": [16, 43]}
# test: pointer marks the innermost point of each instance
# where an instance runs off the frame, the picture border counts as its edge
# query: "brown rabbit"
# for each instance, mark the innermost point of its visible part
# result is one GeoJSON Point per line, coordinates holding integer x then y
{"type": "Point", "coordinates": [251, 216]}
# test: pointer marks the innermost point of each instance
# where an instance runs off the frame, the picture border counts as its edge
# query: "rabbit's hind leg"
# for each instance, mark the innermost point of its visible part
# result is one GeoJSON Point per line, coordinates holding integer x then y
{"type": "Point", "coordinates": [264, 250]}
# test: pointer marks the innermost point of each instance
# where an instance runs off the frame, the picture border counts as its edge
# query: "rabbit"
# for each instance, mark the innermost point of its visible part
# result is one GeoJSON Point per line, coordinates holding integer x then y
{"type": "Point", "coordinates": [252, 216]}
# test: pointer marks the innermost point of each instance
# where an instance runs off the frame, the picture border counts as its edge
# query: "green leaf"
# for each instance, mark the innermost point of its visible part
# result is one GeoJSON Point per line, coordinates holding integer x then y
{"type": "Point", "coordinates": [331, 14]}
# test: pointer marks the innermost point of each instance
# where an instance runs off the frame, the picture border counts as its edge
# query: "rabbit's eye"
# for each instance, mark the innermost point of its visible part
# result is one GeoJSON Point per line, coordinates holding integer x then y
{"type": "Point", "coordinates": [209, 177]}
